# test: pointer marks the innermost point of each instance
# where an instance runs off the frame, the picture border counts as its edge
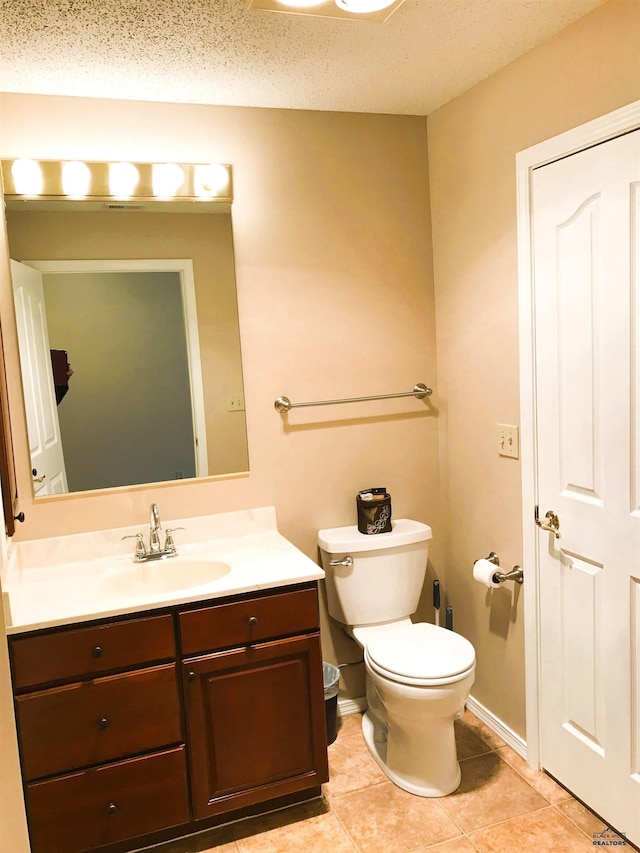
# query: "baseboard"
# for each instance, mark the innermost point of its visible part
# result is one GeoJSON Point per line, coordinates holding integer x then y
{"type": "Point", "coordinates": [496, 725]}
{"type": "Point", "coordinates": [352, 706]}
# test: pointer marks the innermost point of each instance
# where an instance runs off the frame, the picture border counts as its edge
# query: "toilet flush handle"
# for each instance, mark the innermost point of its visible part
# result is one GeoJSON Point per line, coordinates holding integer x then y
{"type": "Point", "coordinates": [347, 561]}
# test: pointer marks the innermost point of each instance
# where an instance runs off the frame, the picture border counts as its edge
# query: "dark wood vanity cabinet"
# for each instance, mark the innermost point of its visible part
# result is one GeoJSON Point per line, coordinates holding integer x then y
{"type": "Point", "coordinates": [254, 713]}
{"type": "Point", "coordinates": [134, 726]}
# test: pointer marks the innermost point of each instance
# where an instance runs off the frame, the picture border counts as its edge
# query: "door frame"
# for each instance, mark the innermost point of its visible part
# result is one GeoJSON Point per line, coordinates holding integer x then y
{"type": "Point", "coordinates": [572, 141]}
{"type": "Point", "coordinates": [184, 268]}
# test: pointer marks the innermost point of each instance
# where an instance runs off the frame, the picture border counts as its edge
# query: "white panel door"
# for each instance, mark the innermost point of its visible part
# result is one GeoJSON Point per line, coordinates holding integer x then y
{"type": "Point", "coordinates": [586, 233]}
{"type": "Point", "coordinates": [43, 426]}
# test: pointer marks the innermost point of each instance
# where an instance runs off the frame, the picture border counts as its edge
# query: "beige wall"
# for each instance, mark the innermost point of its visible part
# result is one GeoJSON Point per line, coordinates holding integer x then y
{"type": "Point", "coordinates": [13, 825]}
{"type": "Point", "coordinates": [13, 833]}
{"type": "Point", "coordinates": [333, 266]}
{"type": "Point", "coordinates": [591, 68]}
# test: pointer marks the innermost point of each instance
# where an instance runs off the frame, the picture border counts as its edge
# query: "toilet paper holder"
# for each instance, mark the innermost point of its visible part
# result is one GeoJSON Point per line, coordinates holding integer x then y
{"type": "Point", "coordinates": [516, 574]}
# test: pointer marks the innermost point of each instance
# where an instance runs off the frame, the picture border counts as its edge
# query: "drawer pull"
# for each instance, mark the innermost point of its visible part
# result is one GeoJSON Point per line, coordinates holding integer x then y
{"type": "Point", "coordinates": [97, 652]}
{"type": "Point", "coordinates": [112, 808]}
{"type": "Point", "coordinates": [103, 724]}
{"type": "Point", "coordinates": [253, 621]}
{"type": "Point", "coordinates": [191, 676]}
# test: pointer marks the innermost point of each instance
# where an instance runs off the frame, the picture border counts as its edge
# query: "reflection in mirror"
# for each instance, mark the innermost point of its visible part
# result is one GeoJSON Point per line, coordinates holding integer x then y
{"type": "Point", "coordinates": [135, 312]}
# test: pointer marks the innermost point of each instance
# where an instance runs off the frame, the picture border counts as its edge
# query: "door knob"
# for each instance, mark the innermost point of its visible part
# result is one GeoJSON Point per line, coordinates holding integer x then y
{"type": "Point", "coordinates": [550, 522]}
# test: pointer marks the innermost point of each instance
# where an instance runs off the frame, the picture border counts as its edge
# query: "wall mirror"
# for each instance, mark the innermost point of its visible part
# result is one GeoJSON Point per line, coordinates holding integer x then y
{"type": "Point", "coordinates": [127, 322]}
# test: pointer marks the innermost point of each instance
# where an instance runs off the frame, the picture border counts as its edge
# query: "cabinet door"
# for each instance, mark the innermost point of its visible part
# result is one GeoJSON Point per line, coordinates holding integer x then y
{"type": "Point", "coordinates": [255, 724]}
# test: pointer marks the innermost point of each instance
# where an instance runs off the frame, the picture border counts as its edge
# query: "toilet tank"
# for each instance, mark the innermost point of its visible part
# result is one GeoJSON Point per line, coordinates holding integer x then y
{"type": "Point", "coordinates": [385, 580]}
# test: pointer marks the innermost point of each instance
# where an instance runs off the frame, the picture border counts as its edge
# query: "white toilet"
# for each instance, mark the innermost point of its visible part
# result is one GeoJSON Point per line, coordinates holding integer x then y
{"type": "Point", "coordinates": [418, 676]}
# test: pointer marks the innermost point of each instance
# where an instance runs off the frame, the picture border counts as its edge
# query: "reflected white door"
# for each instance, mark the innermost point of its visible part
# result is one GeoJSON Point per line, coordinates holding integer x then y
{"type": "Point", "coordinates": [43, 427]}
{"type": "Point", "coordinates": [586, 232]}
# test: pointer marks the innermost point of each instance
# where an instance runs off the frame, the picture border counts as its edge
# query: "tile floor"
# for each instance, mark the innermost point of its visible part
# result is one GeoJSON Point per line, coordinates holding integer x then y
{"type": "Point", "coordinates": [501, 806]}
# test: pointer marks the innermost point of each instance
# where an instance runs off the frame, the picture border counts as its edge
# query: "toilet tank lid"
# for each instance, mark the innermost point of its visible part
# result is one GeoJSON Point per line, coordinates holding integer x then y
{"type": "Point", "coordinates": [342, 540]}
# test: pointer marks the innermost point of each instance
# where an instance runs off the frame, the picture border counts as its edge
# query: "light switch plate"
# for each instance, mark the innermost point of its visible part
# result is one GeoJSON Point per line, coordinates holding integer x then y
{"type": "Point", "coordinates": [508, 441]}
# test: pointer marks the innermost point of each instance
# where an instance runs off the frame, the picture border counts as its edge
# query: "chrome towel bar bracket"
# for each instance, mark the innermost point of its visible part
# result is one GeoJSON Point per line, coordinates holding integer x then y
{"type": "Point", "coordinates": [420, 391]}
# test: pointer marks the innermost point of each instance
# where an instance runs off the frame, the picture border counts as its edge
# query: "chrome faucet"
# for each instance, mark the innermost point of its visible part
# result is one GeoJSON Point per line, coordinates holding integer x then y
{"type": "Point", "coordinates": [154, 529]}
{"type": "Point", "coordinates": [155, 552]}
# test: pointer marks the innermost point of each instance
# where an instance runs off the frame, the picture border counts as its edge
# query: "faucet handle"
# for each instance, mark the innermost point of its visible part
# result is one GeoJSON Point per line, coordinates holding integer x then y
{"type": "Point", "coordinates": [140, 550]}
{"type": "Point", "coordinates": [169, 544]}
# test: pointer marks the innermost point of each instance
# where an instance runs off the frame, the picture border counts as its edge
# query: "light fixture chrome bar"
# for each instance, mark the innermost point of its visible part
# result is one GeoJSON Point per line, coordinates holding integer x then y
{"type": "Point", "coordinates": [26, 179]}
{"type": "Point", "coordinates": [284, 404]}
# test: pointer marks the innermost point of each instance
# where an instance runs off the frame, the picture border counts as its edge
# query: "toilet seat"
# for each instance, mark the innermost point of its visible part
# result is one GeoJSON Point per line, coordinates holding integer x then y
{"type": "Point", "coordinates": [420, 654]}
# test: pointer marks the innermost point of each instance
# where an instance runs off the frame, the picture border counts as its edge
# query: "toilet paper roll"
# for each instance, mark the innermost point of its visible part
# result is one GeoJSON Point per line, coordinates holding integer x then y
{"type": "Point", "coordinates": [483, 571]}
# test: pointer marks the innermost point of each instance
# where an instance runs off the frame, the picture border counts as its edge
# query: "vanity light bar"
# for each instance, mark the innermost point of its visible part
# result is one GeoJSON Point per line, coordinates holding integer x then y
{"type": "Point", "coordinates": [96, 181]}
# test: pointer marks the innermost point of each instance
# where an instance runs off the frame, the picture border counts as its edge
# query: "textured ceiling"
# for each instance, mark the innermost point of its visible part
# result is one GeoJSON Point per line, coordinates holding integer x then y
{"type": "Point", "coordinates": [218, 52]}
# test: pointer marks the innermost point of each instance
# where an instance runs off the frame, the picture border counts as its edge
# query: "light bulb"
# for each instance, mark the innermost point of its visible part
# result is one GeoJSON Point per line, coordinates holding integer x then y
{"type": "Point", "coordinates": [76, 178]}
{"type": "Point", "coordinates": [167, 179]}
{"type": "Point", "coordinates": [210, 180]}
{"type": "Point", "coordinates": [27, 177]}
{"type": "Point", "coordinates": [123, 178]}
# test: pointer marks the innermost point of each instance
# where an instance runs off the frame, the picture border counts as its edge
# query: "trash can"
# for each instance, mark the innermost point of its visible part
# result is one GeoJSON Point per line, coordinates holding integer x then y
{"type": "Point", "coordinates": [331, 676]}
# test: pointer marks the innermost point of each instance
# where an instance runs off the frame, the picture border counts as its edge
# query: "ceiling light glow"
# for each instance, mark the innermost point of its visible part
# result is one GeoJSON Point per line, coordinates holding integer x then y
{"type": "Point", "coordinates": [123, 179]}
{"type": "Point", "coordinates": [362, 7]}
{"type": "Point", "coordinates": [76, 178]}
{"type": "Point", "coordinates": [167, 179]}
{"type": "Point", "coordinates": [299, 4]}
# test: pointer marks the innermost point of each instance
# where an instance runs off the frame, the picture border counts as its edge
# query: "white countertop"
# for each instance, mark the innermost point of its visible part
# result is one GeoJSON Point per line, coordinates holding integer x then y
{"type": "Point", "coordinates": [77, 578]}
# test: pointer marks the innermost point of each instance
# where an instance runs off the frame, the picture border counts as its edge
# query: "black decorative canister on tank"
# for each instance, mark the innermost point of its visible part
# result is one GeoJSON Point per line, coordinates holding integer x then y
{"type": "Point", "coordinates": [374, 510]}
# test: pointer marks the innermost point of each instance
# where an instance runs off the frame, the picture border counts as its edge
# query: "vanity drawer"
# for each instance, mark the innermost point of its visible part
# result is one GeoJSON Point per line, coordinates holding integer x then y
{"type": "Point", "coordinates": [86, 810]}
{"type": "Point", "coordinates": [246, 622]}
{"type": "Point", "coordinates": [80, 724]}
{"type": "Point", "coordinates": [63, 655]}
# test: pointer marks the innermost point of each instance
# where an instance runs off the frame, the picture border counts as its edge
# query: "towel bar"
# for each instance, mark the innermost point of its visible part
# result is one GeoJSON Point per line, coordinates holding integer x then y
{"type": "Point", "coordinates": [283, 404]}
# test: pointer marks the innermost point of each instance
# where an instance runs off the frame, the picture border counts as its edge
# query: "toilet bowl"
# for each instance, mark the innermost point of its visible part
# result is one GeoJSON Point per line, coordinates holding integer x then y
{"type": "Point", "coordinates": [418, 675]}
{"type": "Point", "coordinates": [421, 676]}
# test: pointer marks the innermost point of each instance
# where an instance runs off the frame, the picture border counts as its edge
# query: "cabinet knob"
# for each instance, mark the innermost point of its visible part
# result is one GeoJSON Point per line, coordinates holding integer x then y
{"type": "Point", "coordinates": [112, 808]}
{"type": "Point", "coordinates": [103, 723]}
{"type": "Point", "coordinates": [191, 676]}
{"type": "Point", "coordinates": [97, 652]}
{"type": "Point", "coordinates": [253, 621]}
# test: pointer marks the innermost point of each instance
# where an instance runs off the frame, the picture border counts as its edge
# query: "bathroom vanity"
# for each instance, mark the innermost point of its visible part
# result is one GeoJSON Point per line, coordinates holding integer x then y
{"type": "Point", "coordinates": [205, 705]}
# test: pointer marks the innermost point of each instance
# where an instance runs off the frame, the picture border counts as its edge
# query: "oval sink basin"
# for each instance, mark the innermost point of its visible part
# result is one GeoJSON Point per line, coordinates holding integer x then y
{"type": "Point", "coordinates": [176, 574]}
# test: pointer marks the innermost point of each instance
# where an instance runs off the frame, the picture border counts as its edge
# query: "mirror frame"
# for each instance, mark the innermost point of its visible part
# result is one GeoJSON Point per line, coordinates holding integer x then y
{"type": "Point", "coordinates": [8, 480]}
